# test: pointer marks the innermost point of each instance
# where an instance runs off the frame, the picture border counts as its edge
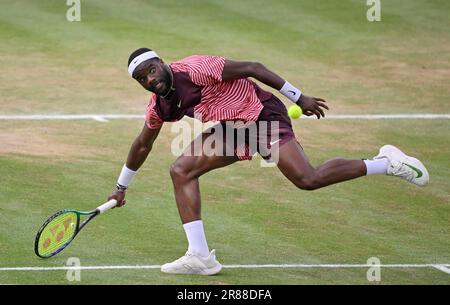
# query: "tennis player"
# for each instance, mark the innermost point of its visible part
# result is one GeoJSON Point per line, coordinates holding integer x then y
{"type": "Point", "coordinates": [212, 88]}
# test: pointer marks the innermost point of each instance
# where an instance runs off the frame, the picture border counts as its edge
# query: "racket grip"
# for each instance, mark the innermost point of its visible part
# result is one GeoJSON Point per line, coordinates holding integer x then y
{"type": "Point", "coordinates": [106, 206]}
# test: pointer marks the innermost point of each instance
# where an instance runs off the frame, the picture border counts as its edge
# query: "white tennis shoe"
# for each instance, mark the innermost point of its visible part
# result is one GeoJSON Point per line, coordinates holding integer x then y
{"type": "Point", "coordinates": [404, 166]}
{"type": "Point", "coordinates": [191, 263]}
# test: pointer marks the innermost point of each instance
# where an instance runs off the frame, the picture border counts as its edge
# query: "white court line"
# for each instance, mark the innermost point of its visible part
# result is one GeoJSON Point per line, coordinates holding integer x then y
{"type": "Point", "coordinates": [427, 116]}
{"type": "Point", "coordinates": [441, 267]}
{"type": "Point", "coordinates": [107, 117]}
{"type": "Point", "coordinates": [45, 117]}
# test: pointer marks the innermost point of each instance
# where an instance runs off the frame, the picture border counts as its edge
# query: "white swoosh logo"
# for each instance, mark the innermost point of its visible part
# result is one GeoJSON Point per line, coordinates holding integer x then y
{"type": "Point", "coordinates": [274, 142]}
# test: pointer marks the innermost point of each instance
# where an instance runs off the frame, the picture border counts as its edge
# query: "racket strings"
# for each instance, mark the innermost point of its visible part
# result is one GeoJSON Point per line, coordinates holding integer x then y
{"type": "Point", "coordinates": [57, 233]}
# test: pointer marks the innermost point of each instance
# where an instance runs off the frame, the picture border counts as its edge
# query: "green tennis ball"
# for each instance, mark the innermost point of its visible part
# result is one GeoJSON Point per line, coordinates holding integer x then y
{"type": "Point", "coordinates": [295, 111]}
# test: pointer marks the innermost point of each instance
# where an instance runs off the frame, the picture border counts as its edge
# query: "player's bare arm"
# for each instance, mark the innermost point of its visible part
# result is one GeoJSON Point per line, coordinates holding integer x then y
{"type": "Point", "coordinates": [141, 147]}
{"type": "Point", "coordinates": [137, 155]}
{"type": "Point", "coordinates": [243, 69]}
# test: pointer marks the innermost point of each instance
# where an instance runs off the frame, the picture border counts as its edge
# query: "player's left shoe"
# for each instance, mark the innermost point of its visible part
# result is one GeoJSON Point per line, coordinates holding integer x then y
{"type": "Point", "coordinates": [404, 166]}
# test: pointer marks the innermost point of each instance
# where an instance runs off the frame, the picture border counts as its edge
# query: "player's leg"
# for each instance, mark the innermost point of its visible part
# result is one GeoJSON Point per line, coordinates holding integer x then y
{"type": "Point", "coordinates": [294, 164]}
{"type": "Point", "coordinates": [185, 173]}
{"type": "Point", "coordinates": [291, 159]}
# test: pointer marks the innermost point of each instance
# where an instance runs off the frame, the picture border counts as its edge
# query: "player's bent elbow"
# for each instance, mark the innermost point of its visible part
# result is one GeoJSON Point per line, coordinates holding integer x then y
{"type": "Point", "coordinates": [256, 68]}
{"type": "Point", "coordinates": [250, 69]}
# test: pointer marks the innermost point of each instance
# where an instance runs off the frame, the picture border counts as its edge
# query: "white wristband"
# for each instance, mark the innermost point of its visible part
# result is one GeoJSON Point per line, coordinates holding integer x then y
{"type": "Point", "coordinates": [126, 175]}
{"type": "Point", "coordinates": [291, 92]}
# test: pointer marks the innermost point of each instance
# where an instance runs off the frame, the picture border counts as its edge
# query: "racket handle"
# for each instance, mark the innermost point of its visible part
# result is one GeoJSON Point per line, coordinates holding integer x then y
{"type": "Point", "coordinates": [106, 206]}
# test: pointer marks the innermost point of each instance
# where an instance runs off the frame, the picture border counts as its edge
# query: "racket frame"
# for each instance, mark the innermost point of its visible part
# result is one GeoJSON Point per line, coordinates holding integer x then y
{"type": "Point", "coordinates": [99, 210]}
{"type": "Point", "coordinates": [78, 228]}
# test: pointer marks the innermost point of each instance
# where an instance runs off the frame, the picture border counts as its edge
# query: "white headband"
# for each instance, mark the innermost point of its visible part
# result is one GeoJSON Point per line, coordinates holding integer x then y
{"type": "Point", "coordinates": [139, 59]}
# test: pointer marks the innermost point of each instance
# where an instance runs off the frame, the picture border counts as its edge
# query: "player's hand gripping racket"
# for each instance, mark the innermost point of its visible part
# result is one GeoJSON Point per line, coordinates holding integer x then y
{"type": "Point", "coordinates": [60, 229]}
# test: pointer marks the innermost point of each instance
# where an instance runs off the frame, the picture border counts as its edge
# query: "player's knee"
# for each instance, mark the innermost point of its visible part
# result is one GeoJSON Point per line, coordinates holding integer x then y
{"type": "Point", "coordinates": [307, 183]}
{"type": "Point", "coordinates": [179, 171]}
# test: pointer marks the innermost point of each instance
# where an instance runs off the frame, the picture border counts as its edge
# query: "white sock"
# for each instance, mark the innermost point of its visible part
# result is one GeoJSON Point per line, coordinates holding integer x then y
{"type": "Point", "coordinates": [196, 238]}
{"type": "Point", "coordinates": [376, 166]}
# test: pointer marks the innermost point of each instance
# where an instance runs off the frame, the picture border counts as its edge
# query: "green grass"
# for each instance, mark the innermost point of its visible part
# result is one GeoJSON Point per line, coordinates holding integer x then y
{"type": "Point", "coordinates": [252, 215]}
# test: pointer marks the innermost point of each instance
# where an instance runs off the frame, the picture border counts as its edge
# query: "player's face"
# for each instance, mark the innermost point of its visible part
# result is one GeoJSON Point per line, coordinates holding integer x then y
{"type": "Point", "coordinates": [154, 76]}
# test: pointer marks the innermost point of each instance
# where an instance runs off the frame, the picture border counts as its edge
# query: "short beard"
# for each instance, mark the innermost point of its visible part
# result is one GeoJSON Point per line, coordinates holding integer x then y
{"type": "Point", "coordinates": [167, 80]}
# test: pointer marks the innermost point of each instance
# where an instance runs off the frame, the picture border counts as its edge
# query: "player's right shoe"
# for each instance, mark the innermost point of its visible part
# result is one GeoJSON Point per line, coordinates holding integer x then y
{"type": "Point", "coordinates": [404, 166]}
{"type": "Point", "coordinates": [191, 263]}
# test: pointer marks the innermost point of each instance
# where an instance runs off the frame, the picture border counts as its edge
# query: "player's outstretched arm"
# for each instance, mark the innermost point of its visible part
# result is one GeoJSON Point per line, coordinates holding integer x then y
{"type": "Point", "coordinates": [141, 147]}
{"type": "Point", "coordinates": [243, 69]}
{"type": "Point", "coordinates": [138, 153]}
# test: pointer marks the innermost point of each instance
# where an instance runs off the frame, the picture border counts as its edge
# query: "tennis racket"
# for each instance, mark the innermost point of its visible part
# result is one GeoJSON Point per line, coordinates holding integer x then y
{"type": "Point", "coordinates": [58, 231]}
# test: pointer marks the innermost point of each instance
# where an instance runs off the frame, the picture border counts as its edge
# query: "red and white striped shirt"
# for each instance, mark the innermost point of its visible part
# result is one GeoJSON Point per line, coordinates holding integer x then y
{"type": "Point", "coordinates": [201, 93]}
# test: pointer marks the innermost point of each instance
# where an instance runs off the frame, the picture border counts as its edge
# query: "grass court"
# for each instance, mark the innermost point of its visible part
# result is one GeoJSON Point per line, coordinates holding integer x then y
{"type": "Point", "coordinates": [252, 215]}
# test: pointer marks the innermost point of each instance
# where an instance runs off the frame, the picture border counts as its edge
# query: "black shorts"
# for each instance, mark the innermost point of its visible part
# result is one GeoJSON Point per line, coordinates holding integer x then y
{"type": "Point", "coordinates": [272, 129]}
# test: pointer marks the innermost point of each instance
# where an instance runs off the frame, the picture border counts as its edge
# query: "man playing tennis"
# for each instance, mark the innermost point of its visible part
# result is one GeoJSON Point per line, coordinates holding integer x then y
{"type": "Point", "coordinates": [213, 88]}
